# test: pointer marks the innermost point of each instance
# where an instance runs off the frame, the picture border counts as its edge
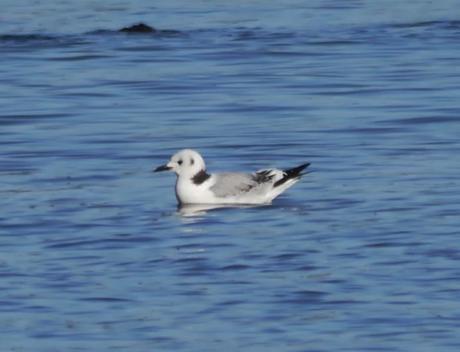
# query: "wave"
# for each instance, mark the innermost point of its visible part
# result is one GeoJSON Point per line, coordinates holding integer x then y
{"type": "Point", "coordinates": [334, 36]}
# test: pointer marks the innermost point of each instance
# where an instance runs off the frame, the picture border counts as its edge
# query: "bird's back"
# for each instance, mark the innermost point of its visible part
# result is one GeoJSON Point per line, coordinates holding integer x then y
{"type": "Point", "coordinates": [232, 184]}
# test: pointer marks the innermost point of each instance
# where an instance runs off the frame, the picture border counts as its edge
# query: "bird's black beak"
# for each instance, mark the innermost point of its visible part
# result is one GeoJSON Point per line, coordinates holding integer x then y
{"type": "Point", "coordinates": [162, 168]}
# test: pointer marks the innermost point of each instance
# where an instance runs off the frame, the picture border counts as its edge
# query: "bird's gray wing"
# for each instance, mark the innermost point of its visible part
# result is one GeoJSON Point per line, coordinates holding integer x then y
{"type": "Point", "coordinates": [234, 184]}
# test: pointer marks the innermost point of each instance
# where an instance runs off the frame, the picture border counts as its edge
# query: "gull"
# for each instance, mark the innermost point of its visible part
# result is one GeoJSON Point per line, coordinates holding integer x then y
{"type": "Point", "coordinates": [194, 185]}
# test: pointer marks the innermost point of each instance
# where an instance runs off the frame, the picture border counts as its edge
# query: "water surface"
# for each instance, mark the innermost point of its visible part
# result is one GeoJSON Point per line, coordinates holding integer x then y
{"type": "Point", "coordinates": [362, 255]}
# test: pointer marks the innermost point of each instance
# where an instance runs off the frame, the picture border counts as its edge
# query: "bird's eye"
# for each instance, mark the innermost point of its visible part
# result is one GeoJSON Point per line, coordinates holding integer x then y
{"type": "Point", "coordinates": [180, 162]}
{"type": "Point", "coordinates": [192, 161]}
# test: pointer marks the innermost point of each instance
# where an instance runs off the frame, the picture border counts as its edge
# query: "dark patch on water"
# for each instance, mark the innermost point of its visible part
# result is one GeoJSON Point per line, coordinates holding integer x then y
{"type": "Point", "coordinates": [105, 299]}
{"type": "Point", "coordinates": [138, 28]}
{"type": "Point", "coordinates": [109, 243]}
{"type": "Point", "coordinates": [24, 38]}
{"type": "Point", "coordinates": [12, 119]}
{"type": "Point", "coordinates": [434, 25]}
{"type": "Point", "coordinates": [424, 120]}
{"type": "Point", "coordinates": [235, 267]}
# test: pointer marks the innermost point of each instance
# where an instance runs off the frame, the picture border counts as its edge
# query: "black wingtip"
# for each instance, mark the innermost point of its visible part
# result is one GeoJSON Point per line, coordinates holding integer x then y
{"type": "Point", "coordinates": [297, 170]}
{"type": "Point", "coordinates": [292, 173]}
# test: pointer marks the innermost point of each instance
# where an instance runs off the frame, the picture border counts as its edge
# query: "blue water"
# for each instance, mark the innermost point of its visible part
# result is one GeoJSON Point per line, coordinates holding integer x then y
{"type": "Point", "coordinates": [362, 255]}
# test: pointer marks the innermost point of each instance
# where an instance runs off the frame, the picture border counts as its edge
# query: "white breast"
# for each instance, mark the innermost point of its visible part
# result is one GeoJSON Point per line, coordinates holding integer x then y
{"type": "Point", "coordinates": [189, 193]}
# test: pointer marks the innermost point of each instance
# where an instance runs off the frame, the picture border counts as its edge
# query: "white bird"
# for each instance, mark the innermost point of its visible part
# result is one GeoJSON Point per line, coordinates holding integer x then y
{"type": "Point", "coordinates": [195, 186]}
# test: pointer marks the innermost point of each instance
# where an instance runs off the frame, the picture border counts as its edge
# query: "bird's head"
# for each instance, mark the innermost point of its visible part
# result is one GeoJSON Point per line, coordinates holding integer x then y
{"type": "Point", "coordinates": [186, 162]}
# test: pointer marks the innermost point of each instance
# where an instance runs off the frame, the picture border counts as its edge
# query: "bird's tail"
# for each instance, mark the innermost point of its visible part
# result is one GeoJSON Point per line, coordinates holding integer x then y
{"type": "Point", "coordinates": [291, 174]}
